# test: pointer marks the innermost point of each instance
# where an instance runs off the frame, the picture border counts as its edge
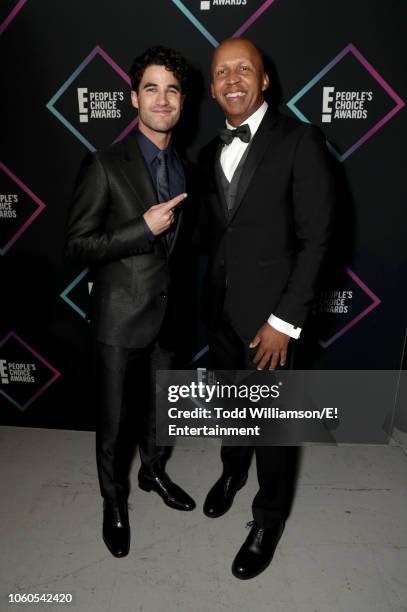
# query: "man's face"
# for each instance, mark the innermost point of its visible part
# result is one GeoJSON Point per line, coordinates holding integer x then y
{"type": "Point", "coordinates": [238, 79]}
{"type": "Point", "coordinates": [159, 100]}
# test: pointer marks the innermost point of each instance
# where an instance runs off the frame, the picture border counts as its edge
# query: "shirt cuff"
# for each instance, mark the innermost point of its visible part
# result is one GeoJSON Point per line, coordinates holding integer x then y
{"type": "Point", "coordinates": [148, 231]}
{"type": "Point", "coordinates": [284, 327]}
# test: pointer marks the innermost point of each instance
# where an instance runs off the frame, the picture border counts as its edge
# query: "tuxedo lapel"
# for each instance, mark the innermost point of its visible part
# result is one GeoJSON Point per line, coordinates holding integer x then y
{"type": "Point", "coordinates": [258, 147]}
{"type": "Point", "coordinates": [178, 217]}
{"type": "Point", "coordinates": [219, 186]}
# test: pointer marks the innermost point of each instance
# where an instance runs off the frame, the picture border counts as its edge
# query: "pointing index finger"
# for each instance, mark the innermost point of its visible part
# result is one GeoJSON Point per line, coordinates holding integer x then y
{"type": "Point", "coordinates": [175, 201]}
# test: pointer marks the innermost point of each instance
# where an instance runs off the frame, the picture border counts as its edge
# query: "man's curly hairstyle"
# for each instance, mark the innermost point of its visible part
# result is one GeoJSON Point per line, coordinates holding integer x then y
{"type": "Point", "coordinates": [160, 56]}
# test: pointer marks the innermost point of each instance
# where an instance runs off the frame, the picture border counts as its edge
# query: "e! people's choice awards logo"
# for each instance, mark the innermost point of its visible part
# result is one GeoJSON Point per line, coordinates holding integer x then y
{"type": "Point", "coordinates": [219, 19]}
{"type": "Point", "coordinates": [99, 104]}
{"type": "Point", "coordinates": [24, 374]}
{"type": "Point", "coordinates": [345, 104]}
{"type": "Point", "coordinates": [349, 99]}
{"type": "Point", "coordinates": [94, 102]}
{"type": "Point", "coordinates": [207, 4]}
{"type": "Point", "coordinates": [340, 308]}
{"type": "Point", "coordinates": [8, 203]}
{"type": "Point", "coordinates": [19, 207]}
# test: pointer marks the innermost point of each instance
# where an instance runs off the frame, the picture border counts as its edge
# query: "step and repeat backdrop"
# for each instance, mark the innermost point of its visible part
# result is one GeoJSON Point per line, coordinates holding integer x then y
{"type": "Point", "coordinates": [340, 65]}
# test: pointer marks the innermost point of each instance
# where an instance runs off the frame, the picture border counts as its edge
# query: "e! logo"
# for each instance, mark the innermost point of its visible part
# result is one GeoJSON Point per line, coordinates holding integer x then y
{"type": "Point", "coordinates": [327, 98]}
{"type": "Point", "coordinates": [83, 109]}
{"type": "Point", "coordinates": [4, 372]}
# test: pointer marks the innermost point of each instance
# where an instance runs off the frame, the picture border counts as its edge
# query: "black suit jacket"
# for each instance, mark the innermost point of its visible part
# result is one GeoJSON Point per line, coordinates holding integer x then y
{"type": "Point", "coordinates": [266, 255]}
{"type": "Point", "coordinates": [105, 229]}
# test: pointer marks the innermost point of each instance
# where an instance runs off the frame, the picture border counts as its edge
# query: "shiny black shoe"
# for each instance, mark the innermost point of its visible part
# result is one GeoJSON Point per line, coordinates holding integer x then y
{"type": "Point", "coordinates": [171, 494]}
{"type": "Point", "coordinates": [220, 497]}
{"type": "Point", "coordinates": [116, 528]}
{"type": "Point", "coordinates": [257, 551]}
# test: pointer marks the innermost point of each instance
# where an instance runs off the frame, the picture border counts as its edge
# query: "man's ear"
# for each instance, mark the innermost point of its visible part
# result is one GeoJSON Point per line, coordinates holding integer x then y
{"type": "Point", "coordinates": [212, 91]}
{"type": "Point", "coordinates": [266, 82]}
{"type": "Point", "coordinates": [134, 98]}
{"type": "Point", "coordinates": [182, 101]}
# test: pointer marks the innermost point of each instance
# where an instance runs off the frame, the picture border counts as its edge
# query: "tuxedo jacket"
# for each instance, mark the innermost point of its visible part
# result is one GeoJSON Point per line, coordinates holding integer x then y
{"type": "Point", "coordinates": [266, 253]}
{"type": "Point", "coordinates": [105, 229]}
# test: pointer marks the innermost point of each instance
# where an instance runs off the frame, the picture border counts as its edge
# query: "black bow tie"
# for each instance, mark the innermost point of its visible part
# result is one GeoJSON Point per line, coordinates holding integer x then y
{"type": "Point", "coordinates": [242, 132]}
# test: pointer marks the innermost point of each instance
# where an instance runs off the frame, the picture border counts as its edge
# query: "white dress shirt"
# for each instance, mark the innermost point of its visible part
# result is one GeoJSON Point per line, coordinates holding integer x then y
{"type": "Point", "coordinates": [230, 157]}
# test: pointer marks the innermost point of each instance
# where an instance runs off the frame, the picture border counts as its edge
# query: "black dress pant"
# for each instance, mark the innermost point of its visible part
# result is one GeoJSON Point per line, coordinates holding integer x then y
{"type": "Point", "coordinates": [276, 465]}
{"type": "Point", "coordinates": [125, 391]}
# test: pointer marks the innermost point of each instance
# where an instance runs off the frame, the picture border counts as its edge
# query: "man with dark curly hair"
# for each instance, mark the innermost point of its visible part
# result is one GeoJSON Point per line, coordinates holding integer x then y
{"type": "Point", "coordinates": [125, 221]}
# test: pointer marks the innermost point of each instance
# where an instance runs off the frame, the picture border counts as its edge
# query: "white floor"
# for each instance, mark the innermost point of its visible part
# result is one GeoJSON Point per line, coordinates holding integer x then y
{"type": "Point", "coordinates": [344, 548]}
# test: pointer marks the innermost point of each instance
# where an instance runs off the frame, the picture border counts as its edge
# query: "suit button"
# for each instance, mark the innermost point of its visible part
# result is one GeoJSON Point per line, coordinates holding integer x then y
{"type": "Point", "coordinates": [230, 230]}
{"type": "Point", "coordinates": [222, 262]}
{"type": "Point", "coordinates": [163, 295]}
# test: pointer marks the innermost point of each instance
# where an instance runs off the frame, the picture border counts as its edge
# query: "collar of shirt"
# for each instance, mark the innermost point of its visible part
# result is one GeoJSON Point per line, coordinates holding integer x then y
{"type": "Point", "coordinates": [149, 150]}
{"type": "Point", "coordinates": [254, 120]}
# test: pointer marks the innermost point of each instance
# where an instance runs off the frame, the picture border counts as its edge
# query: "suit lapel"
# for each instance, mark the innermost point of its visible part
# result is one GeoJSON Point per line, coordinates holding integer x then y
{"type": "Point", "coordinates": [136, 173]}
{"type": "Point", "coordinates": [261, 141]}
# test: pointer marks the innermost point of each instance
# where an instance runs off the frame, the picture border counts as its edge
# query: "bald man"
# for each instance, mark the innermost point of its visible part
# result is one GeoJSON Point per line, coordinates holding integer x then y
{"type": "Point", "coordinates": [268, 205]}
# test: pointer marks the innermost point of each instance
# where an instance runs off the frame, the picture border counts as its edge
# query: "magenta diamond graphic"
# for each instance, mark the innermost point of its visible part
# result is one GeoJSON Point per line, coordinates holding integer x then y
{"type": "Point", "coordinates": [351, 71]}
{"type": "Point", "coordinates": [18, 209]}
{"type": "Point", "coordinates": [112, 128]}
{"type": "Point", "coordinates": [373, 300]}
{"type": "Point", "coordinates": [24, 374]}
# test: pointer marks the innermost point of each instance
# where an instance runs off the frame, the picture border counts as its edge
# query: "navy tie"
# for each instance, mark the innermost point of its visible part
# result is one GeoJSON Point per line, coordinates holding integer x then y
{"type": "Point", "coordinates": [163, 185]}
{"type": "Point", "coordinates": [163, 189]}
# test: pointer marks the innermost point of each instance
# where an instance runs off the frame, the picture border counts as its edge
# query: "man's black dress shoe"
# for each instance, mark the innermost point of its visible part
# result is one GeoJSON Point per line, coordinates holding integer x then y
{"type": "Point", "coordinates": [221, 496]}
{"type": "Point", "coordinates": [116, 528]}
{"type": "Point", "coordinates": [257, 551]}
{"type": "Point", "coordinates": [171, 493]}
